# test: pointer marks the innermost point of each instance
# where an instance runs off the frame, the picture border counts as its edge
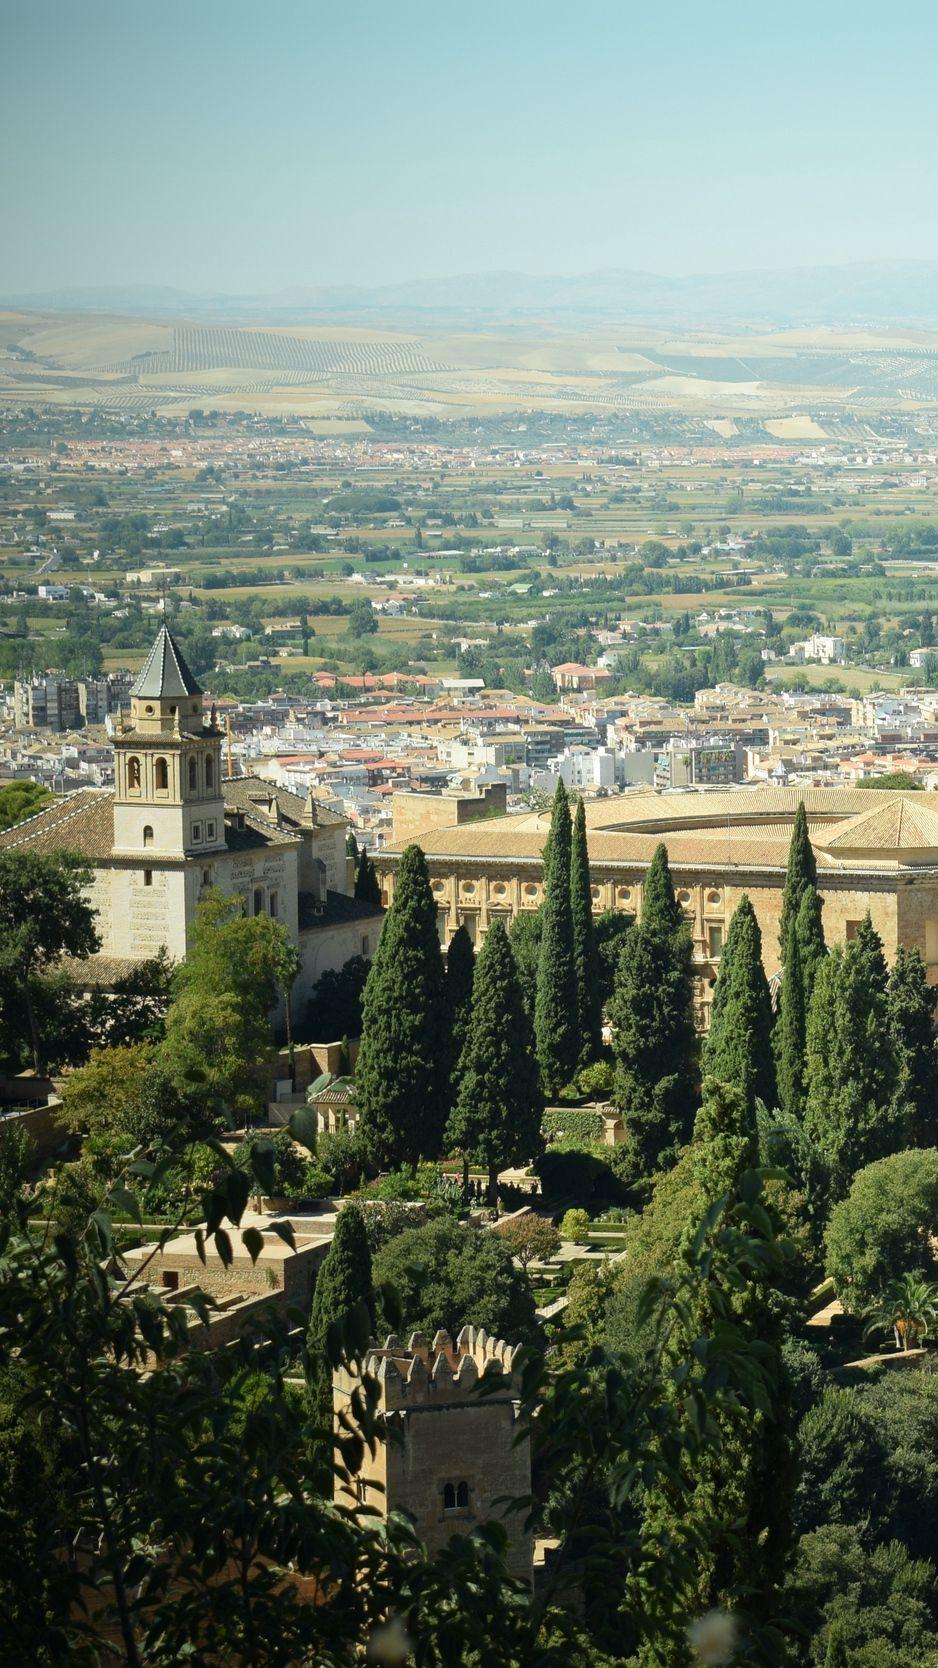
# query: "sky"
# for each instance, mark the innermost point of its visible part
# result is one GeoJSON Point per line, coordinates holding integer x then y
{"type": "Point", "coordinates": [246, 146]}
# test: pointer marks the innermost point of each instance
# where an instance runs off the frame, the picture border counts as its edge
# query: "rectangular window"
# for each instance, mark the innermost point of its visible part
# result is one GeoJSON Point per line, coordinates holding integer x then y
{"type": "Point", "coordinates": [196, 833]}
{"type": "Point", "coordinates": [715, 942]}
{"type": "Point", "coordinates": [851, 929]}
{"type": "Point", "coordinates": [148, 877]}
{"type": "Point", "coordinates": [274, 905]}
{"type": "Point", "coordinates": [366, 945]}
{"type": "Point", "coordinates": [210, 831]}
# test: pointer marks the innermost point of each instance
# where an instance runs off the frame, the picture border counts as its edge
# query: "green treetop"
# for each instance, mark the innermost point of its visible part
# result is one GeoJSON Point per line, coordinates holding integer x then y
{"type": "Point", "coordinates": [524, 936]}
{"type": "Point", "coordinates": [402, 1073]}
{"type": "Point", "coordinates": [790, 1033]}
{"type": "Point", "coordinates": [850, 1065]}
{"type": "Point", "coordinates": [460, 973]}
{"type": "Point", "coordinates": [555, 1006]}
{"type": "Point", "coordinates": [653, 1031]}
{"type": "Point", "coordinates": [738, 1049]}
{"type": "Point", "coordinates": [584, 939]}
{"type": "Point", "coordinates": [344, 1279]}
{"type": "Point", "coordinates": [497, 1117]}
{"type": "Point", "coordinates": [836, 1654]}
{"type": "Point", "coordinates": [44, 914]}
{"type": "Point", "coordinates": [367, 889]}
{"type": "Point", "coordinates": [910, 1005]}
{"type": "Point", "coordinates": [811, 945]}
{"type": "Point", "coordinates": [660, 907]}
{"type": "Point", "coordinates": [802, 872]}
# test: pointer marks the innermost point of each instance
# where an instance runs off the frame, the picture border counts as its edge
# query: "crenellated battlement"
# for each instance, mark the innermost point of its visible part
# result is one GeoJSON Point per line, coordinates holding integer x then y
{"type": "Point", "coordinates": [441, 1372]}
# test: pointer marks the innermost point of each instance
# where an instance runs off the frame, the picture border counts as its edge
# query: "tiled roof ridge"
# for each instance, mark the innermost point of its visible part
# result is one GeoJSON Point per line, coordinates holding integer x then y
{"type": "Point", "coordinates": [50, 813]}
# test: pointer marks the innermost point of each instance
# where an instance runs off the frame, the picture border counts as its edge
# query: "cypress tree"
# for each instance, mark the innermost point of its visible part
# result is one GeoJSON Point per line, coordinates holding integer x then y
{"type": "Point", "coordinates": [367, 888]}
{"type": "Point", "coordinates": [497, 1116]}
{"type": "Point", "coordinates": [402, 1073]}
{"type": "Point", "coordinates": [850, 1066]}
{"type": "Point", "coordinates": [801, 873]}
{"type": "Point", "coordinates": [738, 1049]}
{"type": "Point", "coordinates": [344, 1279]}
{"type": "Point", "coordinates": [869, 946]}
{"type": "Point", "coordinates": [584, 940]}
{"type": "Point", "coordinates": [555, 1004]}
{"type": "Point", "coordinates": [653, 1030]}
{"type": "Point", "coordinates": [351, 847]}
{"type": "Point", "coordinates": [524, 936]}
{"type": "Point", "coordinates": [790, 1032]}
{"type": "Point", "coordinates": [660, 907]}
{"type": "Point", "coordinates": [724, 1143]}
{"type": "Point", "coordinates": [811, 945]}
{"type": "Point", "coordinates": [910, 1006]}
{"type": "Point", "coordinates": [460, 971]}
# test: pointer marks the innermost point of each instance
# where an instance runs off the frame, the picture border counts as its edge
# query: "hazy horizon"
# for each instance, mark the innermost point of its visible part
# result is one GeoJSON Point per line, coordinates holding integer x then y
{"type": "Point", "coordinates": [218, 149]}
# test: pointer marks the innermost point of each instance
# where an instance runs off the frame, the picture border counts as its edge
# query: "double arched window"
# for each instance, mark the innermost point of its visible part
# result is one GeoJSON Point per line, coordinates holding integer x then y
{"type": "Point", "coordinates": [455, 1497]}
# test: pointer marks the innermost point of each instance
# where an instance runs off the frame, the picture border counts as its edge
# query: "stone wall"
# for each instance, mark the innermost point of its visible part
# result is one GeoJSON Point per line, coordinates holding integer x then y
{"type": "Point", "coordinates": [451, 1453]}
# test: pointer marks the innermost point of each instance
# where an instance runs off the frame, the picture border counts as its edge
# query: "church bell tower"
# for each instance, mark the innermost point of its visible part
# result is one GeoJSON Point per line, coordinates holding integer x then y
{"type": "Point", "coordinates": [168, 799]}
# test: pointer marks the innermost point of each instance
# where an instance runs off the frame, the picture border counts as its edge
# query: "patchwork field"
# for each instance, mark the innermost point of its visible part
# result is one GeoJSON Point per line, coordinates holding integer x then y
{"type": "Point", "coordinates": [790, 381]}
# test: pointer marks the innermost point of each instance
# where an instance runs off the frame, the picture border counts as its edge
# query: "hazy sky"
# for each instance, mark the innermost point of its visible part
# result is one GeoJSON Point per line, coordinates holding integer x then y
{"type": "Point", "coordinates": [244, 145]}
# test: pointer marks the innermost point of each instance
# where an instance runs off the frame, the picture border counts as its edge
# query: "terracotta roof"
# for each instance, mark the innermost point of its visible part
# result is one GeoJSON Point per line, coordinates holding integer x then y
{"type": "Point", "coordinates": [252, 793]}
{"type": "Point", "coordinates": [82, 822]}
{"type": "Point", "coordinates": [165, 672]}
{"type": "Point", "coordinates": [749, 828]}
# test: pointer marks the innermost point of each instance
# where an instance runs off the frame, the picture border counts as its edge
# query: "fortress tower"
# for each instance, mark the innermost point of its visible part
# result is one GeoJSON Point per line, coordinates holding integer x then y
{"type": "Point", "coordinates": [456, 1451]}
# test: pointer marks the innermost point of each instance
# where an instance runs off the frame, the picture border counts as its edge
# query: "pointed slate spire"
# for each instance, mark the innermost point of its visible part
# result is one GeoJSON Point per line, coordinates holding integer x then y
{"type": "Point", "coordinates": [165, 673]}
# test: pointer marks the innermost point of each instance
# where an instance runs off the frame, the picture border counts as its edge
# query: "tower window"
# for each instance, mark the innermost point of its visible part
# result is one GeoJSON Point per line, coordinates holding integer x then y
{"type": "Point", "coordinates": [133, 774]}
{"type": "Point", "coordinates": [161, 776]}
{"type": "Point", "coordinates": [274, 905]}
{"type": "Point", "coordinates": [455, 1497]}
{"type": "Point", "coordinates": [209, 771]}
{"type": "Point", "coordinates": [258, 901]}
{"type": "Point", "coordinates": [462, 1495]}
{"type": "Point", "coordinates": [449, 1497]}
{"type": "Point", "coordinates": [210, 831]}
{"type": "Point", "coordinates": [148, 835]}
{"type": "Point", "coordinates": [148, 877]}
{"type": "Point", "coordinates": [193, 776]}
{"type": "Point", "coordinates": [196, 833]}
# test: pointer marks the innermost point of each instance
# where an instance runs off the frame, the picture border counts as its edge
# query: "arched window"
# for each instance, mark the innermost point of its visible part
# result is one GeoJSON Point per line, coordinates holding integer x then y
{"type": "Point", "coordinates": [209, 771]}
{"type": "Point", "coordinates": [193, 776]}
{"type": "Point", "coordinates": [148, 835]}
{"type": "Point", "coordinates": [449, 1497]}
{"type": "Point", "coordinates": [462, 1494]}
{"type": "Point", "coordinates": [133, 774]}
{"type": "Point", "coordinates": [274, 905]}
{"type": "Point", "coordinates": [161, 775]}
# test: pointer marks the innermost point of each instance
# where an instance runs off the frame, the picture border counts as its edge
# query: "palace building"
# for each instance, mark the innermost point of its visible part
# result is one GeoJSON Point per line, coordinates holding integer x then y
{"type": "Point", "coordinates": [876, 850]}
{"type": "Point", "coordinates": [173, 826]}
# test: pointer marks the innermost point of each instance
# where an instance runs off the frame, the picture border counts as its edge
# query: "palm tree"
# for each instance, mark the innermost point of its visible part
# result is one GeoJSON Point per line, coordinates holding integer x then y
{"type": "Point", "coordinates": [907, 1308]}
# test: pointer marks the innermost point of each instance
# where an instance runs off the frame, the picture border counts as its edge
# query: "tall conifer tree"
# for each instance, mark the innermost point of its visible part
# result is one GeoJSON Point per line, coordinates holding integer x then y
{"type": "Point", "coordinates": [850, 1065]}
{"type": "Point", "coordinates": [652, 1023]}
{"type": "Point", "coordinates": [460, 971]}
{"type": "Point", "coordinates": [738, 1049]}
{"type": "Point", "coordinates": [367, 887]}
{"type": "Point", "coordinates": [344, 1279]}
{"type": "Point", "coordinates": [790, 1034]}
{"type": "Point", "coordinates": [811, 945]}
{"type": "Point", "coordinates": [402, 1073]}
{"type": "Point", "coordinates": [497, 1116]}
{"type": "Point", "coordinates": [802, 872]}
{"type": "Point", "coordinates": [584, 939]}
{"type": "Point", "coordinates": [555, 1006]}
{"type": "Point", "coordinates": [910, 1005]}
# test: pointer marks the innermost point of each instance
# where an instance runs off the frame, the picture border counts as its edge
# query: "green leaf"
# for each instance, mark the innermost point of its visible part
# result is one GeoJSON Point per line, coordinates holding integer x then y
{"type": "Point", "coordinates": [223, 1247]}
{"type": "Point", "coordinates": [263, 1164]}
{"type": "Point", "coordinates": [284, 1231]}
{"type": "Point", "coordinates": [101, 1223]}
{"type": "Point", "coordinates": [253, 1241]}
{"type": "Point", "coordinates": [122, 1198]}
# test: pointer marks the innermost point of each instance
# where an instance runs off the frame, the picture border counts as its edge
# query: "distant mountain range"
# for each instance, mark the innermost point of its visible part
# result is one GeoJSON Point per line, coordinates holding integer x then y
{"type": "Point", "coordinates": [884, 293]}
